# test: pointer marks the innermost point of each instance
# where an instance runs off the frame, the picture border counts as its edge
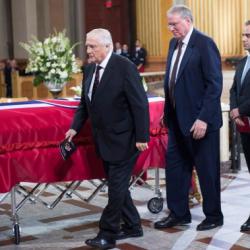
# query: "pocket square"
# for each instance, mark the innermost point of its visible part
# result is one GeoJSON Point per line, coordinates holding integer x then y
{"type": "Point", "coordinates": [67, 148]}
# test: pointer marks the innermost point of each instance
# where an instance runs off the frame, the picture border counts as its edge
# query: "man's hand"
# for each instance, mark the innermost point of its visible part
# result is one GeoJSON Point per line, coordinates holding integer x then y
{"type": "Point", "coordinates": [199, 129]}
{"type": "Point", "coordinates": [234, 113]}
{"type": "Point", "coordinates": [139, 66]}
{"type": "Point", "coordinates": [70, 134]}
{"type": "Point", "coordinates": [162, 121]}
{"type": "Point", "coordinates": [141, 146]}
{"type": "Point", "coordinates": [239, 121]}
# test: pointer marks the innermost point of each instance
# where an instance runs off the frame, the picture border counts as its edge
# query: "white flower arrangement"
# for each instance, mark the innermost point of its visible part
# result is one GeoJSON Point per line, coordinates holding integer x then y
{"type": "Point", "coordinates": [52, 60]}
{"type": "Point", "coordinates": [77, 90]}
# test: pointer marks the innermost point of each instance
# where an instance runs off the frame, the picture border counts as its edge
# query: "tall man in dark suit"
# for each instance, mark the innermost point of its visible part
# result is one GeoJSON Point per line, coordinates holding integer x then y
{"type": "Point", "coordinates": [240, 100]}
{"type": "Point", "coordinates": [193, 86]}
{"type": "Point", "coordinates": [115, 101]}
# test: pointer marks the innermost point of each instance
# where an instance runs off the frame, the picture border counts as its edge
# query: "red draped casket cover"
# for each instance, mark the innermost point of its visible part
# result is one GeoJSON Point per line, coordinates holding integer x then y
{"type": "Point", "coordinates": [29, 151]}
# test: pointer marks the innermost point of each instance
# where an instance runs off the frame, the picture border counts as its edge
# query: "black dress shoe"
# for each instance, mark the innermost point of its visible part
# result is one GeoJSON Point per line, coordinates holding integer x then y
{"type": "Point", "coordinates": [246, 226]}
{"type": "Point", "coordinates": [101, 243]}
{"type": "Point", "coordinates": [171, 221]}
{"type": "Point", "coordinates": [206, 225]}
{"type": "Point", "coordinates": [129, 233]}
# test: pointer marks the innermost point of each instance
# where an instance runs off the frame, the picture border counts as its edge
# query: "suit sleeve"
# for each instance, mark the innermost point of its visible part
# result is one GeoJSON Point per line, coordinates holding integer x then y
{"type": "Point", "coordinates": [138, 103]}
{"type": "Point", "coordinates": [233, 95]}
{"type": "Point", "coordinates": [244, 108]}
{"type": "Point", "coordinates": [81, 113]}
{"type": "Point", "coordinates": [212, 74]}
{"type": "Point", "coordinates": [166, 86]}
{"type": "Point", "coordinates": [167, 101]}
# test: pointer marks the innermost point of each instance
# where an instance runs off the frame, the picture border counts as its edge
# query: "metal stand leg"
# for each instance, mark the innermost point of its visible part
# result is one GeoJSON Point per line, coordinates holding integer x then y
{"type": "Point", "coordinates": [158, 191]}
{"type": "Point", "coordinates": [29, 196]}
{"type": "Point", "coordinates": [15, 219]}
{"type": "Point", "coordinates": [155, 205]}
{"type": "Point", "coordinates": [139, 179]}
{"type": "Point", "coordinates": [68, 189]}
{"type": "Point", "coordinates": [103, 184]}
{"type": "Point", "coordinates": [4, 197]}
{"type": "Point", "coordinates": [235, 149]}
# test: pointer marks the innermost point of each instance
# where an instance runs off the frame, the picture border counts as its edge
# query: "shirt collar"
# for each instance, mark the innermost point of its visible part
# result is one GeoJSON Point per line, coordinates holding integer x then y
{"type": "Point", "coordinates": [104, 63]}
{"type": "Point", "coordinates": [187, 37]}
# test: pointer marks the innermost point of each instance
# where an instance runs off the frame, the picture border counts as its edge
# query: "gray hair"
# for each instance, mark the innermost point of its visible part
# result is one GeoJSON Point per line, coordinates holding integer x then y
{"type": "Point", "coordinates": [103, 36]}
{"type": "Point", "coordinates": [182, 10]}
{"type": "Point", "coordinates": [247, 23]}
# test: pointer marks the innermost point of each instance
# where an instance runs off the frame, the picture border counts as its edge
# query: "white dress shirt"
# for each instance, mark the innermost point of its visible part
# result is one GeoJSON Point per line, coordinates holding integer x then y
{"type": "Point", "coordinates": [103, 64]}
{"type": "Point", "coordinates": [183, 49]}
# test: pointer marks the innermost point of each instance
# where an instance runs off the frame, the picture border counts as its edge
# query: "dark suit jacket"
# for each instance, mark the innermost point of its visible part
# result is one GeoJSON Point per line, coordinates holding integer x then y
{"type": "Point", "coordinates": [119, 111]}
{"type": "Point", "coordinates": [198, 85]}
{"type": "Point", "coordinates": [240, 94]}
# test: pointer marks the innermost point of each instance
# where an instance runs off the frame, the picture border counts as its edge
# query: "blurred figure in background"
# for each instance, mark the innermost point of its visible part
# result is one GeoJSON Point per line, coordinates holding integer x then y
{"type": "Point", "coordinates": [125, 51]}
{"type": "Point", "coordinates": [118, 49]}
{"type": "Point", "coordinates": [2, 82]}
{"type": "Point", "coordinates": [139, 56]}
{"type": "Point", "coordinates": [10, 66]}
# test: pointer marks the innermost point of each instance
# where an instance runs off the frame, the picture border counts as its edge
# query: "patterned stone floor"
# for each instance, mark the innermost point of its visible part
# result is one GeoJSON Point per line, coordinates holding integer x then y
{"type": "Point", "coordinates": [72, 221]}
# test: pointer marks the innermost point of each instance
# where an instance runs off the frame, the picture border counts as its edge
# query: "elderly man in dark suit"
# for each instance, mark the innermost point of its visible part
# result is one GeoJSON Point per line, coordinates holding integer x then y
{"type": "Point", "coordinates": [115, 101]}
{"type": "Point", "coordinates": [240, 101]}
{"type": "Point", "coordinates": [193, 86]}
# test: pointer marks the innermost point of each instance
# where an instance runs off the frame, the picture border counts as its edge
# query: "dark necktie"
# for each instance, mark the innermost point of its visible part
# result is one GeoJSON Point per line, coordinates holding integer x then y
{"type": "Point", "coordinates": [173, 74]}
{"type": "Point", "coordinates": [96, 81]}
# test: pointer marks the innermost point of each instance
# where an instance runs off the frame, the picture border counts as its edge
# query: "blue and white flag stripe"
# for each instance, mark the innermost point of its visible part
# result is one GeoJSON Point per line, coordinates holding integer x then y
{"type": "Point", "coordinates": [41, 104]}
{"type": "Point", "coordinates": [33, 104]}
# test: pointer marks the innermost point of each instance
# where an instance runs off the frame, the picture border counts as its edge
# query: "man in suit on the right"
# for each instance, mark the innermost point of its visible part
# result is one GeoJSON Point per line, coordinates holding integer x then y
{"type": "Point", "coordinates": [193, 86]}
{"type": "Point", "coordinates": [240, 100]}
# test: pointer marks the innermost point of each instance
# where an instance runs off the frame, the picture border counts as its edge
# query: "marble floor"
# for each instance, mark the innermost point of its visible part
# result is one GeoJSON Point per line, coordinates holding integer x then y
{"type": "Point", "coordinates": [73, 221]}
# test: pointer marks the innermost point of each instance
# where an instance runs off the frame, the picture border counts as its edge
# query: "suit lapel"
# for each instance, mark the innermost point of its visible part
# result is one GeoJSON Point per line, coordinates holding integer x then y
{"type": "Point", "coordinates": [188, 52]}
{"type": "Point", "coordinates": [108, 71]}
{"type": "Point", "coordinates": [241, 85]}
{"type": "Point", "coordinates": [169, 59]}
{"type": "Point", "coordinates": [186, 56]}
{"type": "Point", "coordinates": [88, 81]}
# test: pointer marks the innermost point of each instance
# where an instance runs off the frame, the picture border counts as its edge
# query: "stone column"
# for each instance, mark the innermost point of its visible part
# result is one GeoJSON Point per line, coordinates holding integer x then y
{"type": "Point", "coordinates": [80, 28]}
{"type": "Point", "coordinates": [24, 19]}
{"type": "Point", "coordinates": [43, 19]}
{"type": "Point", "coordinates": [75, 24]}
{"type": "Point", "coordinates": [4, 53]}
